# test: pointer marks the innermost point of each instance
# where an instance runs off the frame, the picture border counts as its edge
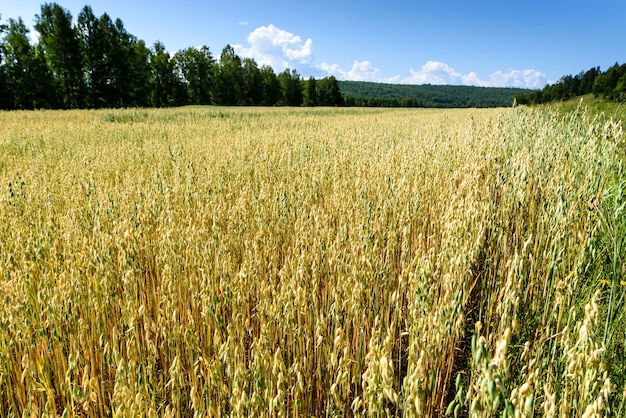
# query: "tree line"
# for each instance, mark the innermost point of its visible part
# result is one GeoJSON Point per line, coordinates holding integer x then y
{"type": "Point", "coordinates": [363, 101]}
{"type": "Point", "coordinates": [94, 62]}
{"type": "Point", "coordinates": [610, 85]}
{"type": "Point", "coordinates": [363, 93]}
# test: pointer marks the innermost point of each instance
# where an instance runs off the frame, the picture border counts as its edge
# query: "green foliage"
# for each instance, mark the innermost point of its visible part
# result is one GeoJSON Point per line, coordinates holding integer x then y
{"type": "Point", "coordinates": [602, 108]}
{"type": "Point", "coordinates": [29, 83]}
{"type": "Point", "coordinates": [94, 62]}
{"type": "Point", "coordinates": [93, 44]}
{"type": "Point", "coordinates": [197, 67]}
{"type": "Point", "coordinates": [61, 42]}
{"type": "Point", "coordinates": [291, 87]}
{"type": "Point", "coordinates": [252, 82]}
{"type": "Point", "coordinates": [610, 85]}
{"type": "Point", "coordinates": [141, 77]}
{"type": "Point", "coordinates": [328, 92]}
{"type": "Point", "coordinates": [168, 88]}
{"type": "Point", "coordinates": [361, 93]}
{"type": "Point", "coordinates": [310, 92]}
{"type": "Point", "coordinates": [271, 86]}
{"type": "Point", "coordinates": [230, 81]}
{"type": "Point", "coordinates": [4, 103]}
{"type": "Point", "coordinates": [382, 102]}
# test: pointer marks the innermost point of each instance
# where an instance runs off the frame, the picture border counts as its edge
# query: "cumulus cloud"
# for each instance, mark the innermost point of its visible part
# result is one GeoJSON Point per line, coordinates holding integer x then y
{"type": "Point", "coordinates": [435, 72]}
{"type": "Point", "coordinates": [276, 47]}
{"type": "Point", "coordinates": [280, 49]}
{"type": "Point", "coordinates": [360, 71]}
{"type": "Point", "coordinates": [520, 78]}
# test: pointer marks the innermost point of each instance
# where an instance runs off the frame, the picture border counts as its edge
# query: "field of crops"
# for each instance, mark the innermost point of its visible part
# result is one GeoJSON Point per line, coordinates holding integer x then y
{"type": "Point", "coordinates": [312, 262]}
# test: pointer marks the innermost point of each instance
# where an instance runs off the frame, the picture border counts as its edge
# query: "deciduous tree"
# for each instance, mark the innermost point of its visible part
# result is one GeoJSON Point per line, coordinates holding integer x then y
{"type": "Point", "coordinates": [168, 88]}
{"type": "Point", "coordinates": [197, 67]}
{"type": "Point", "coordinates": [141, 75]}
{"type": "Point", "coordinates": [229, 86]}
{"type": "Point", "coordinates": [310, 92]}
{"type": "Point", "coordinates": [271, 86]}
{"type": "Point", "coordinates": [94, 51]}
{"type": "Point", "coordinates": [328, 92]}
{"type": "Point", "coordinates": [62, 47]}
{"type": "Point", "coordinates": [291, 88]}
{"type": "Point", "coordinates": [28, 80]}
{"type": "Point", "coordinates": [4, 92]}
{"type": "Point", "coordinates": [252, 82]}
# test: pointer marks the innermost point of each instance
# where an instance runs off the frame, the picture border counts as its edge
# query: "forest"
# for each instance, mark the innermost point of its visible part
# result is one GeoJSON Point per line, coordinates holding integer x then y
{"type": "Point", "coordinates": [94, 62]}
{"type": "Point", "coordinates": [361, 93]}
{"type": "Point", "coordinates": [610, 85]}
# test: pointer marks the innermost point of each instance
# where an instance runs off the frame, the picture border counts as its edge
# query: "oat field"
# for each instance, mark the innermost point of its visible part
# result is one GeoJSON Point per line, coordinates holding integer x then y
{"type": "Point", "coordinates": [206, 262]}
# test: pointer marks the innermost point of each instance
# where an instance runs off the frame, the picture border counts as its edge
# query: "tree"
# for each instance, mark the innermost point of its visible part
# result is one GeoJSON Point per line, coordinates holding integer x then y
{"type": "Point", "coordinates": [122, 49]}
{"type": "Point", "coordinates": [605, 84]}
{"type": "Point", "coordinates": [5, 100]}
{"type": "Point", "coordinates": [570, 85]}
{"type": "Point", "coordinates": [328, 92]}
{"type": "Point", "coordinates": [61, 44]}
{"type": "Point", "coordinates": [620, 89]}
{"type": "Point", "coordinates": [4, 91]}
{"type": "Point", "coordinates": [95, 49]}
{"type": "Point", "coordinates": [586, 81]}
{"type": "Point", "coordinates": [115, 58]}
{"type": "Point", "coordinates": [18, 57]}
{"type": "Point", "coordinates": [115, 67]}
{"type": "Point", "coordinates": [229, 86]}
{"type": "Point", "coordinates": [27, 78]}
{"type": "Point", "coordinates": [271, 86]}
{"type": "Point", "coordinates": [141, 76]}
{"type": "Point", "coordinates": [601, 86]}
{"type": "Point", "coordinates": [310, 92]}
{"type": "Point", "coordinates": [197, 67]}
{"type": "Point", "coordinates": [252, 82]}
{"type": "Point", "coordinates": [16, 53]}
{"type": "Point", "coordinates": [168, 87]}
{"type": "Point", "coordinates": [291, 88]}
{"type": "Point", "coordinates": [614, 76]}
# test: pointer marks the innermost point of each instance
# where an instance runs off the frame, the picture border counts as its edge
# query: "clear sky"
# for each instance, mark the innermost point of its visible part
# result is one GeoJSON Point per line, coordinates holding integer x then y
{"type": "Point", "coordinates": [523, 43]}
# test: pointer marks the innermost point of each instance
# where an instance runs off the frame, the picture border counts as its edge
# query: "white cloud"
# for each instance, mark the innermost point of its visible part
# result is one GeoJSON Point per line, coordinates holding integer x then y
{"type": "Point", "coordinates": [435, 72]}
{"type": "Point", "coordinates": [278, 48]}
{"type": "Point", "coordinates": [520, 78]}
{"type": "Point", "coordinates": [360, 71]}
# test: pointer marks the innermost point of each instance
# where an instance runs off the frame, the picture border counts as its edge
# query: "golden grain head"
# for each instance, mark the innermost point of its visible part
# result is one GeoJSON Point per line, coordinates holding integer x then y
{"type": "Point", "coordinates": [309, 262]}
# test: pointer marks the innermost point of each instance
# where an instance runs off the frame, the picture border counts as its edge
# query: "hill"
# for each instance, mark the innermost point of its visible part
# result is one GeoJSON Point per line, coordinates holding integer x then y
{"type": "Point", "coordinates": [611, 109]}
{"type": "Point", "coordinates": [609, 85]}
{"type": "Point", "coordinates": [363, 93]}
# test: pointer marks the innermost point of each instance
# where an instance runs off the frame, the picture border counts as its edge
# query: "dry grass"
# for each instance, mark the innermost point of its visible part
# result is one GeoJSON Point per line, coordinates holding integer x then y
{"type": "Point", "coordinates": [299, 262]}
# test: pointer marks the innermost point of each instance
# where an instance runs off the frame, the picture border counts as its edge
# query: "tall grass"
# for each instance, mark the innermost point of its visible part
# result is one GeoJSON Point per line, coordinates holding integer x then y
{"type": "Point", "coordinates": [311, 262]}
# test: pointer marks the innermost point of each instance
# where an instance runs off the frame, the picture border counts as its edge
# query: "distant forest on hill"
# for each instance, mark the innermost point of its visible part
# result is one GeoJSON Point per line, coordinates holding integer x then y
{"type": "Point", "coordinates": [610, 85]}
{"type": "Point", "coordinates": [361, 93]}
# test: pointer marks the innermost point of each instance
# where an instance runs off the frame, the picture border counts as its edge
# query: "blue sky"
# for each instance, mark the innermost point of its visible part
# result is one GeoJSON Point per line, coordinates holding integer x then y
{"type": "Point", "coordinates": [496, 43]}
